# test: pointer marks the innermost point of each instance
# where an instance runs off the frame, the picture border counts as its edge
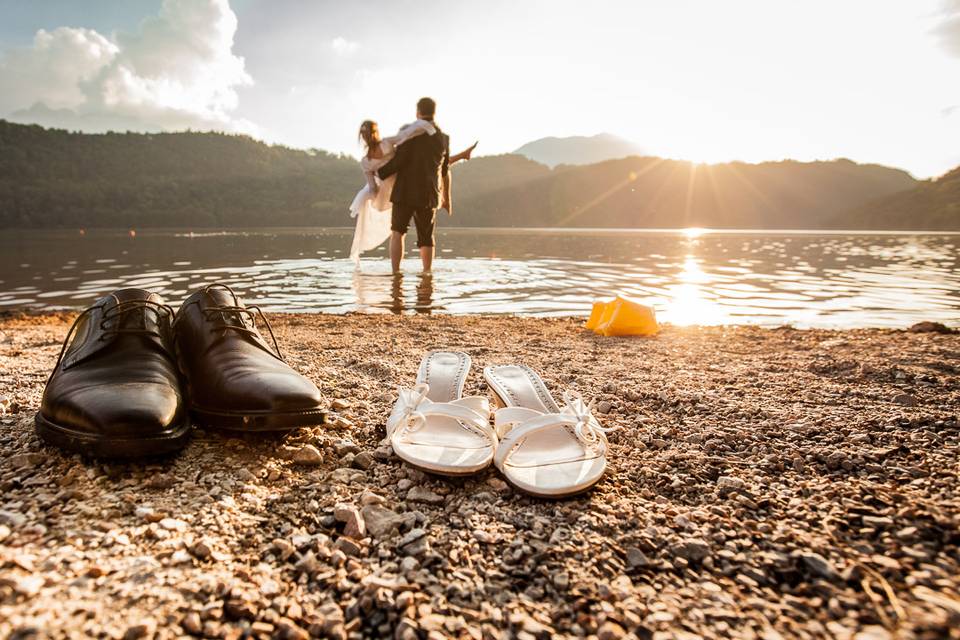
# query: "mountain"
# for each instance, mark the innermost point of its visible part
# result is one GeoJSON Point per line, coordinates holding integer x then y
{"type": "Point", "coordinates": [930, 205]}
{"type": "Point", "coordinates": [657, 193]}
{"type": "Point", "coordinates": [577, 150]}
{"type": "Point", "coordinates": [54, 178]}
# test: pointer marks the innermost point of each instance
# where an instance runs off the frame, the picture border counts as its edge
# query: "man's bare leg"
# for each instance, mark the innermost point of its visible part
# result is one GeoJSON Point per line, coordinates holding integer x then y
{"type": "Point", "coordinates": [426, 256]}
{"type": "Point", "coordinates": [396, 250]}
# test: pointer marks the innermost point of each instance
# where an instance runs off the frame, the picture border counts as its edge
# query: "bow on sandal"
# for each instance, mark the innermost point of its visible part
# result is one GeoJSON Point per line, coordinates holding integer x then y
{"type": "Point", "coordinates": [434, 428]}
{"type": "Point", "coordinates": [545, 450]}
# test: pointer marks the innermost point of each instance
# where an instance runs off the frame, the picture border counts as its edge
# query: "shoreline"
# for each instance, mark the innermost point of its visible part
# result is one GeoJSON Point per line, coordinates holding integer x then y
{"type": "Point", "coordinates": [764, 481]}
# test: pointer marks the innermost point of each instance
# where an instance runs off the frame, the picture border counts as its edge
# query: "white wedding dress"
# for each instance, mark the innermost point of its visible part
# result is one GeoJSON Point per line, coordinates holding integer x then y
{"type": "Point", "coordinates": [372, 207]}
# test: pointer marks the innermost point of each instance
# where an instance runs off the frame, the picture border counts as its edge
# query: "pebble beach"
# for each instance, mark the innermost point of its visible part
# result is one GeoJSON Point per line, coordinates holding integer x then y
{"type": "Point", "coordinates": [764, 483]}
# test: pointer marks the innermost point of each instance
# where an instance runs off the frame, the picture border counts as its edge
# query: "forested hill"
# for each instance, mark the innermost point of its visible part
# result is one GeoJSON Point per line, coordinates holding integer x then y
{"type": "Point", "coordinates": [932, 204]}
{"type": "Point", "coordinates": [52, 178]}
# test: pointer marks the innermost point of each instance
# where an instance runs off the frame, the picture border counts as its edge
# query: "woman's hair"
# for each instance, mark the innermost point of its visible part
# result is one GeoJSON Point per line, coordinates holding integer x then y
{"type": "Point", "coordinates": [369, 134]}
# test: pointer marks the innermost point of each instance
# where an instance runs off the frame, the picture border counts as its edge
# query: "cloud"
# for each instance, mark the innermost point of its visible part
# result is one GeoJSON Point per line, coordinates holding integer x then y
{"type": "Point", "coordinates": [177, 71]}
{"type": "Point", "coordinates": [343, 47]}
{"type": "Point", "coordinates": [948, 29]}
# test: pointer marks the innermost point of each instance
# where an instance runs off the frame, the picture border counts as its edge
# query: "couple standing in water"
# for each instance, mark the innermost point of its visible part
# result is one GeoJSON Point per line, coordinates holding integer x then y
{"type": "Point", "coordinates": [408, 177]}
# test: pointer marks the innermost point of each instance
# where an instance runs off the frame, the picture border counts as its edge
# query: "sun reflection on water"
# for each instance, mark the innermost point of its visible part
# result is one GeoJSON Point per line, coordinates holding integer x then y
{"type": "Point", "coordinates": [688, 301]}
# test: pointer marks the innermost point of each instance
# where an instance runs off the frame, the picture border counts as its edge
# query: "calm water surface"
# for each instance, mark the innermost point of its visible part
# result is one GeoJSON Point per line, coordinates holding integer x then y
{"type": "Point", "coordinates": [807, 279]}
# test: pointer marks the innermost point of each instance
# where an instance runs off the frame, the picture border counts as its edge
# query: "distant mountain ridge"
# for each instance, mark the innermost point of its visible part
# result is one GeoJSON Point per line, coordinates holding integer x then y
{"type": "Point", "coordinates": [57, 179]}
{"type": "Point", "coordinates": [931, 204]}
{"type": "Point", "coordinates": [579, 150]}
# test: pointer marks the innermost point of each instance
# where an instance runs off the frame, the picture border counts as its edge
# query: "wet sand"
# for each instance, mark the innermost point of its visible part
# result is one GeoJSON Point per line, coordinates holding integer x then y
{"type": "Point", "coordinates": [766, 483]}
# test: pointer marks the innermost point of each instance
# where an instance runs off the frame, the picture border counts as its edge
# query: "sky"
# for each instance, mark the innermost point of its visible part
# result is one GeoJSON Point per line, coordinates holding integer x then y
{"type": "Point", "coordinates": [751, 80]}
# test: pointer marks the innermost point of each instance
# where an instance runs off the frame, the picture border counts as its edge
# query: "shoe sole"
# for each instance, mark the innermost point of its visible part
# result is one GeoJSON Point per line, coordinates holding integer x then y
{"type": "Point", "coordinates": [100, 447]}
{"type": "Point", "coordinates": [252, 421]}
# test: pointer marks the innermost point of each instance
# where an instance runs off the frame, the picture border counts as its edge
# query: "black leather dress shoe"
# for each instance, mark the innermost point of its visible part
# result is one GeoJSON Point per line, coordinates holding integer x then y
{"type": "Point", "coordinates": [115, 391]}
{"type": "Point", "coordinates": [234, 378]}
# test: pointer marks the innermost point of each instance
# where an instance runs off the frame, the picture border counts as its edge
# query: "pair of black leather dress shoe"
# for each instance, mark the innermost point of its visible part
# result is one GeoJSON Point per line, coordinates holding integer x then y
{"type": "Point", "coordinates": [135, 372]}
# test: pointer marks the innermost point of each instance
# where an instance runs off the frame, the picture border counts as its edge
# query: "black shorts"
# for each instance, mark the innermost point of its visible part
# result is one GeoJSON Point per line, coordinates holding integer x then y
{"type": "Point", "coordinates": [423, 217]}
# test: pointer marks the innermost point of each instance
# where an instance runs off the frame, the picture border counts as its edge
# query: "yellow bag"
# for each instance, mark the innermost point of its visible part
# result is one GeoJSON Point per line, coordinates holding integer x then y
{"type": "Point", "coordinates": [596, 313]}
{"type": "Point", "coordinates": [623, 317]}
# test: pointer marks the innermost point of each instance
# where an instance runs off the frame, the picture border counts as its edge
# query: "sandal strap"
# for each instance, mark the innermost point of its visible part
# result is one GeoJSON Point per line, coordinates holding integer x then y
{"type": "Point", "coordinates": [515, 424]}
{"type": "Point", "coordinates": [413, 408]}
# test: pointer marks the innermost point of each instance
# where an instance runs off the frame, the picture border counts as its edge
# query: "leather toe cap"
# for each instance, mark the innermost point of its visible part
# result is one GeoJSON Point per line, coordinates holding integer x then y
{"type": "Point", "coordinates": [118, 410]}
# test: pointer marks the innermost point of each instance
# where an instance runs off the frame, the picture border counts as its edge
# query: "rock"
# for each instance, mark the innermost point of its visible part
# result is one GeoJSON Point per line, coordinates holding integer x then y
{"type": "Point", "coordinates": [28, 586]}
{"type": "Point", "coordinates": [877, 521]}
{"type": "Point", "coordinates": [354, 525]}
{"type": "Point", "coordinates": [905, 399]}
{"type": "Point", "coordinates": [26, 460]}
{"type": "Point", "coordinates": [636, 558]}
{"type": "Point", "coordinates": [726, 484]}
{"type": "Point", "coordinates": [201, 549]}
{"type": "Point", "coordinates": [873, 632]}
{"type": "Point", "coordinates": [348, 546]}
{"type": "Point", "coordinates": [307, 564]}
{"type": "Point", "coordinates": [191, 623]}
{"type": "Point", "coordinates": [610, 631]}
{"type": "Point", "coordinates": [693, 550]}
{"type": "Point", "coordinates": [818, 566]}
{"type": "Point", "coordinates": [12, 518]}
{"type": "Point", "coordinates": [604, 406]}
{"type": "Point", "coordinates": [173, 524]}
{"type": "Point", "coordinates": [929, 327]}
{"type": "Point", "coordinates": [269, 587]}
{"type": "Point", "coordinates": [380, 521]}
{"type": "Point", "coordinates": [339, 404]}
{"type": "Point", "coordinates": [346, 475]}
{"type": "Point", "coordinates": [308, 455]}
{"type": "Point", "coordinates": [420, 493]}
{"type": "Point", "coordinates": [237, 609]}
{"type": "Point", "coordinates": [344, 447]}
{"type": "Point", "coordinates": [283, 548]}
{"type": "Point", "coordinates": [364, 460]}
{"type": "Point", "coordinates": [147, 514]}
{"type": "Point", "coordinates": [137, 631]}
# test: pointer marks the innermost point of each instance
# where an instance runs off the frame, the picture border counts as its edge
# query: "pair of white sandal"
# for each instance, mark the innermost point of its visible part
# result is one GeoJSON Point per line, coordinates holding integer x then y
{"type": "Point", "coordinates": [541, 448]}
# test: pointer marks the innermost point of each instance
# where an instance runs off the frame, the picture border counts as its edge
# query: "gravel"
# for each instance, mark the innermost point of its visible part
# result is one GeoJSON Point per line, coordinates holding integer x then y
{"type": "Point", "coordinates": [765, 483]}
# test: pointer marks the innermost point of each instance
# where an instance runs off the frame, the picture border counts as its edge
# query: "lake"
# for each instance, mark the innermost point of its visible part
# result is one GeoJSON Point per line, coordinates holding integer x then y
{"type": "Point", "coordinates": [801, 278]}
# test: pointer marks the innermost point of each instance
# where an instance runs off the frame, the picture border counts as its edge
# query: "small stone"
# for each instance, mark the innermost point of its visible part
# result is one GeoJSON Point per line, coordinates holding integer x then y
{"type": "Point", "coordinates": [726, 484]}
{"type": "Point", "coordinates": [819, 566]}
{"type": "Point", "coordinates": [693, 550]}
{"type": "Point", "coordinates": [148, 514]}
{"type": "Point", "coordinates": [604, 406]}
{"type": "Point", "coordinates": [12, 518]}
{"type": "Point", "coordinates": [191, 623]}
{"type": "Point", "coordinates": [346, 475]}
{"type": "Point", "coordinates": [929, 327]}
{"type": "Point", "coordinates": [610, 631]}
{"type": "Point", "coordinates": [636, 558]}
{"type": "Point", "coordinates": [877, 521]}
{"type": "Point", "coordinates": [173, 524]}
{"type": "Point", "coordinates": [29, 586]}
{"type": "Point", "coordinates": [308, 455]}
{"type": "Point", "coordinates": [339, 404]}
{"type": "Point", "coordinates": [344, 447]}
{"type": "Point", "coordinates": [307, 564]}
{"type": "Point", "coordinates": [364, 460]}
{"type": "Point", "coordinates": [138, 631]}
{"type": "Point", "coordinates": [284, 548]}
{"type": "Point", "coordinates": [348, 546]}
{"type": "Point", "coordinates": [561, 580]}
{"type": "Point", "coordinates": [409, 563]}
{"type": "Point", "coordinates": [269, 587]}
{"type": "Point", "coordinates": [201, 550]}
{"type": "Point", "coordinates": [380, 521]}
{"type": "Point", "coordinates": [420, 493]}
{"type": "Point", "coordinates": [905, 399]}
{"type": "Point", "coordinates": [26, 460]}
{"type": "Point", "coordinates": [483, 536]}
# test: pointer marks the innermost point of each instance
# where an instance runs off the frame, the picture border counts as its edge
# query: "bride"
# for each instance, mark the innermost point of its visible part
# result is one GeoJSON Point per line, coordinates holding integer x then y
{"type": "Point", "coordinates": [372, 207]}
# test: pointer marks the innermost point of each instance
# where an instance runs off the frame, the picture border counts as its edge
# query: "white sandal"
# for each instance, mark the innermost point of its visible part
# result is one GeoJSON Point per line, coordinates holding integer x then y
{"type": "Point", "coordinates": [544, 450]}
{"type": "Point", "coordinates": [434, 428]}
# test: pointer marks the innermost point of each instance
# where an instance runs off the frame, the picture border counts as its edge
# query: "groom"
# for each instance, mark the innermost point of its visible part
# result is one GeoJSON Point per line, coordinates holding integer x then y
{"type": "Point", "coordinates": [419, 163]}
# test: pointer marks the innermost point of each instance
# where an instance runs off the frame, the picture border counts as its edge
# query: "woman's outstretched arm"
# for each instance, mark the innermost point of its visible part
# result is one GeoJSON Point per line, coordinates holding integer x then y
{"type": "Point", "coordinates": [465, 154]}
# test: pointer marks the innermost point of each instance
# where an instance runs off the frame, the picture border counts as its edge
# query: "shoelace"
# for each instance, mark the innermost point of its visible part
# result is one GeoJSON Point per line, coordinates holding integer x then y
{"type": "Point", "coordinates": [239, 313]}
{"type": "Point", "coordinates": [116, 313]}
{"type": "Point", "coordinates": [587, 429]}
